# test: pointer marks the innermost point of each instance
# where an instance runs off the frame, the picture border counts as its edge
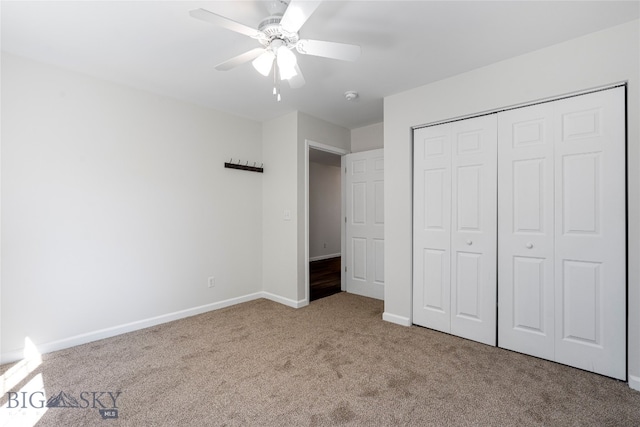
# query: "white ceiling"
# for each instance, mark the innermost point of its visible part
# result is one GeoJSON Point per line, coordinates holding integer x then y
{"type": "Point", "coordinates": [157, 46]}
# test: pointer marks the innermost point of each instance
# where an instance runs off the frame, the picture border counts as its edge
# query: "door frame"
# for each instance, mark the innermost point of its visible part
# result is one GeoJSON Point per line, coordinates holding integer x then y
{"type": "Point", "coordinates": [309, 144]}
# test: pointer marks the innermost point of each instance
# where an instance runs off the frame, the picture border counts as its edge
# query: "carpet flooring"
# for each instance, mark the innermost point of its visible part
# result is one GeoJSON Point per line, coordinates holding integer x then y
{"type": "Point", "coordinates": [334, 362]}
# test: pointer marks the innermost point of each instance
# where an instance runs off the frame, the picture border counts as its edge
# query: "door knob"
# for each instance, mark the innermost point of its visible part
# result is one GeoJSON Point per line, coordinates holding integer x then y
{"type": "Point", "coordinates": [529, 245]}
{"type": "Point", "coordinates": [469, 242]}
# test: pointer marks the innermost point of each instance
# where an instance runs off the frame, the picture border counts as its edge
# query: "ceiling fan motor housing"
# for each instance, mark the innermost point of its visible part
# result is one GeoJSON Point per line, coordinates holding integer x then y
{"type": "Point", "coordinates": [271, 29]}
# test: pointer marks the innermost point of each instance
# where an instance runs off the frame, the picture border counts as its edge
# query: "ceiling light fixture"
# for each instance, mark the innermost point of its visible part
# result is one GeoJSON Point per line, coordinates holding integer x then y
{"type": "Point", "coordinates": [279, 58]}
{"type": "Point", "coordinates": [278, 35]}
{"type": "Point", "coordinates": [264, 62]}
{"type": "Point", "coordinates": [286, 63]}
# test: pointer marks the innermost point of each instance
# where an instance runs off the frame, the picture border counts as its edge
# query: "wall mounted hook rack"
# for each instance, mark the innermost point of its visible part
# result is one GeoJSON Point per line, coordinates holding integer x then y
{"type": "Point", "coordinates": [245, 167]}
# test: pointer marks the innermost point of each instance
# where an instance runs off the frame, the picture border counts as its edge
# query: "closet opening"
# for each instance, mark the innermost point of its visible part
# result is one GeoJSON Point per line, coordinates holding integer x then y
{"type": "Point", "coordinates": [557, 259]}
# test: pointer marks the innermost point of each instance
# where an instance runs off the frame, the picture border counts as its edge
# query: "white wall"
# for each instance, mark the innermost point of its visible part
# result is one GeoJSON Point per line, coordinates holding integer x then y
{"type": "Point", "coordinates": [317, 130]}
{"type": "Point", "coordinates": [116, 206]}
{"type": "Point", "coordinates": [367, 138]}
{"type": "Point", "coordinates": [279, 187]}
{"type": "Point", "coordinates": [325, 200]}
{"type": "Point", "coordinates": [284, 242]}
{"type": "Point", "coordinates": [591, 61]}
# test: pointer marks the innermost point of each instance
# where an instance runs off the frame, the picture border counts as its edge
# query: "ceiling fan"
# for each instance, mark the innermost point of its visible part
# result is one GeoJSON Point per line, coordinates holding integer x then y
{"type": "Point", "coordinates": [278, 35]}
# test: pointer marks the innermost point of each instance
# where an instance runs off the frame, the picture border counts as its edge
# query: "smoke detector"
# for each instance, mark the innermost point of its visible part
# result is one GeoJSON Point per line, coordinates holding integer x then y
{"type": "Point", "coordinates": [350, 95]}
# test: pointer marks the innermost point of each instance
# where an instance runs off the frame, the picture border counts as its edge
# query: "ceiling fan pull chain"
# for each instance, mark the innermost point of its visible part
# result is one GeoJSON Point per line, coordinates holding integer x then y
{"type": "Point", "coordinates": [276, 81]}
{"type": "Point", "coordinates": [275, 77]}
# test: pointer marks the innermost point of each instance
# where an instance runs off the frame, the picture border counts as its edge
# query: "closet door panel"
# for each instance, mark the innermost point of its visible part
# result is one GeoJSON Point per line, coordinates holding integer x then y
{"type": "Point", "coordinates": [473, 229]}
{"type": "Point", "coordinates": [525, 231]}
{"type": "Point", "coordinates": [590, 232]}
{"type": "Point", "coordinates": [432, 228]}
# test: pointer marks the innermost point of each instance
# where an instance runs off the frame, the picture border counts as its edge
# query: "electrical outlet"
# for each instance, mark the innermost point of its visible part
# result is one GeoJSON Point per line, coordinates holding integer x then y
{"type": "Point", "coordinates": [212, 282]}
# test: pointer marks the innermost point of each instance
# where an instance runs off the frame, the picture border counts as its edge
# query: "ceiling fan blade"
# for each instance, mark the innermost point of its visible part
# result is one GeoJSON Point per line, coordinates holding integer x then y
{"type": "Point", "coordinates": [297, 81]}
{"type": "Point", "coordinates": [297, 14]}
{"type": "Point", "coordinates": [240, 59]}
{"type": "Point", "coordinates": [223, 22]}
{"type": "Point", "coordinates": [343, 51]}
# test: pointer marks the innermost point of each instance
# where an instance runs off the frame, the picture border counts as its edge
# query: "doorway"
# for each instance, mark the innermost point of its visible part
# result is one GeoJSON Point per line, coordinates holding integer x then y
{"type": "Point", "coordinates": [325, 230]}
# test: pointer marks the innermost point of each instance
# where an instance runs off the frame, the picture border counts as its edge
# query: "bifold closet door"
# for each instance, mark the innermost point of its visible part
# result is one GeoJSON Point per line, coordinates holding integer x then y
{"type": "Point", "coordinates": [526, 231]}
{"type": "Point", "coordinates": [454, 254]}
{"type": "Point", "coordinates": [562, 233]}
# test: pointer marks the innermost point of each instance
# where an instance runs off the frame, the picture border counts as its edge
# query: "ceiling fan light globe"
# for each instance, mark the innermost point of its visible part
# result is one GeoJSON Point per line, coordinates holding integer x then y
{"type": "Point", "coordinates": [264, 63]}
{"type": "Point", "coordinates": [286, 63]}
{"type": "Point", "coordinates": [287, 73]}
{"type": "Point", "coordinates": [286, 58]}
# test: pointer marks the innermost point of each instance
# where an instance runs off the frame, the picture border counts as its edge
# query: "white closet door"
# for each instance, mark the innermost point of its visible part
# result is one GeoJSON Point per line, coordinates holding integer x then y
{"type": "Point", "coordinates": [432, 227]}
{"type": "Point", "coordinates": [562, 216]}
{"type": "Point", "coordinates": [454, 277]}
{"type": "Point", "coordinates": [590, 230]}
{"type": "Point", "coordinates": [365, 223]}
{"type": "Point", "coordinates": [526, 231]}
{"type": "Point", "coordinates": [474, 228]}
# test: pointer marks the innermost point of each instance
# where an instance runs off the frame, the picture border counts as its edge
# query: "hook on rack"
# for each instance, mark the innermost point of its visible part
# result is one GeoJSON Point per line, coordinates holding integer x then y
{"type": "Point", "coordinates": [232, 165]}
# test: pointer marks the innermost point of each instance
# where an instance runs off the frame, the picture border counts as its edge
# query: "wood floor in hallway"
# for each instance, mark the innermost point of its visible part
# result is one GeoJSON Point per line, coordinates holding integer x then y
{"type": "Point", "coordinates": [324, 278]}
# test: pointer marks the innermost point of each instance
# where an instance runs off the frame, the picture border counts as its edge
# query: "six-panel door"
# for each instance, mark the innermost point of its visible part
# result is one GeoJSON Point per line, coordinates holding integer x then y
{"type": "Point", "coordinates": [365, 223]}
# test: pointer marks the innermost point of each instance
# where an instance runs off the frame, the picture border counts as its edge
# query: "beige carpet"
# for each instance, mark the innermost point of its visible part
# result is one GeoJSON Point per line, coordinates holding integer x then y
{"type": "Point", "coordinates": [334, 362]}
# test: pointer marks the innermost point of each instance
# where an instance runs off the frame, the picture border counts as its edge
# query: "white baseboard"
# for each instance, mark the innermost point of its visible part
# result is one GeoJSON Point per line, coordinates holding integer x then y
{"type": "Point", "coordinates": [11, 356]}
{"type": "Point", "coordinates": [285, 301]}
{"type": "Point", "coordinates": [634, 382]}
{"type": "Point", "coordinates": [15, 355]}
{"type": "Point", "coordinates": [394, 318]}
{"type": "Point", "coordinates": [321, 257]}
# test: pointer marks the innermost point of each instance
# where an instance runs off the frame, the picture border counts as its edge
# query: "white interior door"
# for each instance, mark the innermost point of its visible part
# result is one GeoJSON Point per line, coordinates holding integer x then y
{"type": "Point", "coordinates": [526, 231]}
{"type": "Point", "coordinates": [562, 265]}
{"type": "Point", "coordinates": [454, 278]}
{"type": "Point", "coordinates": [590, 232]}
{"type": "Point", "coordinates": [365, 223]}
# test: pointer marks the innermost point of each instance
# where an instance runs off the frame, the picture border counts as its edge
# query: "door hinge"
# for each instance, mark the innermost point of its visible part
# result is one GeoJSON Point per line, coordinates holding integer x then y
{"type": "Point", "coordinates": [345, 170]}
{"type": "Point", "coordinates": [345, 219]}
{"type": "Point", "coordinates": [345, 268]}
